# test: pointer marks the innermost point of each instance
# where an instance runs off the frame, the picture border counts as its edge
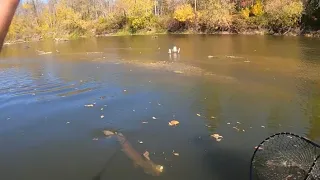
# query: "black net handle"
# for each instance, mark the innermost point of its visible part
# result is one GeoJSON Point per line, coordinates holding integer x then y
{"type": "Point", "coordinates": [313, 164]}
{"type": "Point", "coordinates": [283, 133]}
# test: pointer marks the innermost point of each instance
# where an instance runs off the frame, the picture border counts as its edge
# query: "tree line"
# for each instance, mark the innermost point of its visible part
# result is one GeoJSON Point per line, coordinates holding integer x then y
{"type": "Point", "coordinates": [37, 19]}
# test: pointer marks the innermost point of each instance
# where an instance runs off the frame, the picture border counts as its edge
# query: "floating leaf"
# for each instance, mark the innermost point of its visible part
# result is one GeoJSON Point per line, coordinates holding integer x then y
{"type": "Point", "coordinates": [108, 133]}
{"type": "Point", "coordinates": [236, 128]}
{"type": "Point", "coordinates": [217, 137]}
{"type": "Point", "coordinates": [176, 154]}
{"type": "Point", "coordinates": [89, 105]}
{"type": "Point", "coordinates": [173, 123]}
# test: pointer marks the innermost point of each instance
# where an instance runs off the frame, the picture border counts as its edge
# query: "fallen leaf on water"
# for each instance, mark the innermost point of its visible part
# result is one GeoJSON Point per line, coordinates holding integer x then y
{"type": "Point", "coordinates": [176, 154]}
{"type": "Point", "coordinates": [173, 123]}
{"type": "Point", "coordinates": [89, 105]}
{"type": "Point", "coordinates": [199, 115]}
{"type": "Point", "coordinates": [217, 137]}
{"type": "Point", "coordinates": [154, 118]}
{"type": "Point", "coordinates": [102, 116]}
{"type": "Point", "coordinates": [146, 155]}
{"type": "Point", "coordinates": [108, 133]}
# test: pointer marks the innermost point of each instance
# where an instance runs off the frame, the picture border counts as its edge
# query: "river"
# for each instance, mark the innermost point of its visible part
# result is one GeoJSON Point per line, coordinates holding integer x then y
{"type": "Point", "coordinates": [243, 88]}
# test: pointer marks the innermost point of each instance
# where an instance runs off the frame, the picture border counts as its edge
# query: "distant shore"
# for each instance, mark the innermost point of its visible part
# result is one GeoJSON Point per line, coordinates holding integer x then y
{"type": "Point", "coordinates": [311, 34]}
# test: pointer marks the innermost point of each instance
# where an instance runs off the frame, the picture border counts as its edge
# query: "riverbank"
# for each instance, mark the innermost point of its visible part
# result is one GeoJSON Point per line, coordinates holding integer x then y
{"type": "Point", "coordinates": [310, 34]}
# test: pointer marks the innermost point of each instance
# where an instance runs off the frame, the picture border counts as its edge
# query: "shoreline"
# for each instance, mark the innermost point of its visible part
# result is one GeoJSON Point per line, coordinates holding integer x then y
{"type": "Point", "coordinates": [311, 34]}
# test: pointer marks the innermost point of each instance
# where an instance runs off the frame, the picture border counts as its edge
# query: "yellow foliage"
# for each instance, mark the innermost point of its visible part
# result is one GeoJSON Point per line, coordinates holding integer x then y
{"type": "Point", "coordinates": [257, 9]}
{"type": "Point", "coordinates": [245, 12]}
{"type": "Point", "coordinates": [184, 13]}
{"type": "Point", "coordinates": [26, 6]}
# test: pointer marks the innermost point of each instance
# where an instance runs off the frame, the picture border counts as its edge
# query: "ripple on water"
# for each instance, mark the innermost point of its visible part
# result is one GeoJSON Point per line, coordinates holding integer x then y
{"type": "Point", "coordinates": [19, 85]}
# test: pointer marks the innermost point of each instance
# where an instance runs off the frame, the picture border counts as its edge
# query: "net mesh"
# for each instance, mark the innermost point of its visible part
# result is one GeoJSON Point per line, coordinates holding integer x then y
{"type": "Point", "coordinates": [286, 157]}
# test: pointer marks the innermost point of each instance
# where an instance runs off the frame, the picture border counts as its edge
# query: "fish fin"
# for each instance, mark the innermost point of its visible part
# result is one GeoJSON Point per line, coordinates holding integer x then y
{"type": "Point", "coordinates": [146, 155]}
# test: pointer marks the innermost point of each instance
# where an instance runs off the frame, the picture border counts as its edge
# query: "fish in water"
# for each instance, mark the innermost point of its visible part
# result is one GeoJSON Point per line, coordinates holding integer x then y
{"type": "Point", "coordinates": [138, 159]}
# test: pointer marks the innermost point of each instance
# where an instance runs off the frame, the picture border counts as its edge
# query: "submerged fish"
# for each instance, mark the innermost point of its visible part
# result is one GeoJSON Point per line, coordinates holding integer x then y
{"type": "Point", "coordinates": [138, 159]}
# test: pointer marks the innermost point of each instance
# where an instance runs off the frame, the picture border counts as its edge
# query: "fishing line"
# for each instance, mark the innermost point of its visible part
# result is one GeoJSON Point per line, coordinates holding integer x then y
{"type": "Point", "coordinates": [114, 154]}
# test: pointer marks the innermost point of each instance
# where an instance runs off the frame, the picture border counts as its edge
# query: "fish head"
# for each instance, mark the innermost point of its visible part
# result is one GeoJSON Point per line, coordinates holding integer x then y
{"type": "Point", "coordinates": [159, 168]}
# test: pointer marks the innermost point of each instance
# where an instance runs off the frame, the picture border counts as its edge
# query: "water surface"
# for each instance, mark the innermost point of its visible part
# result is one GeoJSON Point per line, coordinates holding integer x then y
{"type": "Point", "coordinates": [249, 88]}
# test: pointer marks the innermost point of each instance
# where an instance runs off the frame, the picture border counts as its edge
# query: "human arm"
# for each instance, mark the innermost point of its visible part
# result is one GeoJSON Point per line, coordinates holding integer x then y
{"type": "Point", "coordinates": [7, 10]}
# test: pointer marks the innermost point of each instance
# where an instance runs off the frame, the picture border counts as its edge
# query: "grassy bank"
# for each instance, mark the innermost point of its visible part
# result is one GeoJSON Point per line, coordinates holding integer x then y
{"type": "Point", "coordinates": [62, 19]}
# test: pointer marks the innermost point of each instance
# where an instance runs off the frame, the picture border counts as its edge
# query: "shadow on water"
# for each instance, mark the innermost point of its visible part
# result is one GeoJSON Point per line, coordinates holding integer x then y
{"type": "Point", "coordinates": [225, 164]}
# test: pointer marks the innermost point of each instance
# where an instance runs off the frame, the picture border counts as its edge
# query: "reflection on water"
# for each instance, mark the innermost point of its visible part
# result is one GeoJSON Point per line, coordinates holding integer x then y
{"type": "Point", "coordinates": [137, 87]}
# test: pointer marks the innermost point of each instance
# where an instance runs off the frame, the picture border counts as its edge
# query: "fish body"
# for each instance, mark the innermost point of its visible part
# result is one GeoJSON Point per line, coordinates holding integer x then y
{"type": "Point", "coordinates": [144, 162]}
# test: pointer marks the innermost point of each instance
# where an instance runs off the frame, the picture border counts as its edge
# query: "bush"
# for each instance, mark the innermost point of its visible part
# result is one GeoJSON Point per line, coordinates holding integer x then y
{"type": "Point", "coordinates": [282, 15]}
{"type": "Point", "coordinates": [257, 8]}
{"type": "Point", "coordinates": [161, 23]}
{"type": "Point", "coordinates": [184, 13]}
{"type": "Point", "coordinates": [245, 13]}
{"type": "Point", "coordinates": [217, 16]}
{"type": "Point", "coordinates": [111, 23]}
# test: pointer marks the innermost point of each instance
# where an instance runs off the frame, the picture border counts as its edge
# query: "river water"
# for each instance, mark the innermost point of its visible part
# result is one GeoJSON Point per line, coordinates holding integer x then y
{"type": "Point", "coordinates": [243, 88]}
